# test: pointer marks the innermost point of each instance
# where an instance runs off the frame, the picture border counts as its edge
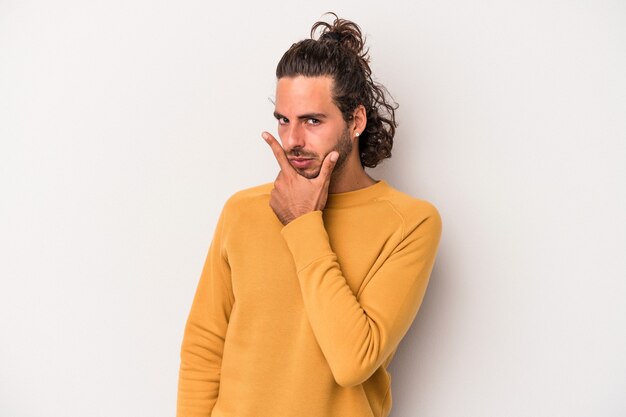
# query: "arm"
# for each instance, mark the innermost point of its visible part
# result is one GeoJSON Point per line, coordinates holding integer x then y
{"type": "Point", "coordinates": [357, 334]}
{"type": "Point", "coordinates": [203, 340]}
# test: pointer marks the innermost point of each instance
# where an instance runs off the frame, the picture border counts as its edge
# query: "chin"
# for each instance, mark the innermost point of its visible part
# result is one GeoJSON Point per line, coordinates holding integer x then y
{"type": "Point", "coordinates": [308, 173]}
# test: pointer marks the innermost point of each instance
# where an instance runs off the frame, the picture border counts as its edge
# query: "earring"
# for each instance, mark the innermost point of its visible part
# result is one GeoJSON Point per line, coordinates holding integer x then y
{"type": "Point", "coordinates": [357, 134]}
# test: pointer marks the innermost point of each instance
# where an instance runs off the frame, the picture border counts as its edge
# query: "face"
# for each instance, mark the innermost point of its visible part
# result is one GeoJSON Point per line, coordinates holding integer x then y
{"type": "Point", "coordinates": [310, 125]}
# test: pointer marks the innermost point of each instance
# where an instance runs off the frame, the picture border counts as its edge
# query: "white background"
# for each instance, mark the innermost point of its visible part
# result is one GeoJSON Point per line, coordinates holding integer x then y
{"type": "Point", "coordinates": [125, 125]}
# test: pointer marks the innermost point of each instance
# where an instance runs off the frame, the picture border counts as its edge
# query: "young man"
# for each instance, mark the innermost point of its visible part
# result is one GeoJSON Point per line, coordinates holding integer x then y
{"type": "Point", "coordinates": [311, 281]}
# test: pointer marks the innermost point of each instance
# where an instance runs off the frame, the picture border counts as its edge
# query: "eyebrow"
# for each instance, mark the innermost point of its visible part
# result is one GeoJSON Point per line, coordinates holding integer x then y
{"type": "Point", "coordinates": [303, 116]}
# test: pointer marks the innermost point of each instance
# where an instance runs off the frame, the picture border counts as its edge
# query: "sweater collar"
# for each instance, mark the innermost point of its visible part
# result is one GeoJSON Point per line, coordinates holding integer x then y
{"type": "Point", "coordinates": [356, 197]}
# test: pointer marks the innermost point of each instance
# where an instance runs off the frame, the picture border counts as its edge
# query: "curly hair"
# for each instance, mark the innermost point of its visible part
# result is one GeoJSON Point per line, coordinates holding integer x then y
{"type": "Point", "coordinates": [338, 53]}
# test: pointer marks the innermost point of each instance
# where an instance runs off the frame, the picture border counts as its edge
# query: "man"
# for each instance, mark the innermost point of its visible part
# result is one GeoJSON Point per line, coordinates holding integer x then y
{"type": "Point", "coordinates": [311, 281]}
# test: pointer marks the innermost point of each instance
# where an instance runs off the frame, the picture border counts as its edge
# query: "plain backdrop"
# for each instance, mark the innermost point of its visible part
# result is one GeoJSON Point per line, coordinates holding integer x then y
{"type": "Point", "coordinates": [126, 124]}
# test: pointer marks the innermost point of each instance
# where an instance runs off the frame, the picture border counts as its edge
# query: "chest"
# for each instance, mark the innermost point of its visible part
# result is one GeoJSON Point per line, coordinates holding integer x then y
{"type": "Point", "coordinates": [262, 266]}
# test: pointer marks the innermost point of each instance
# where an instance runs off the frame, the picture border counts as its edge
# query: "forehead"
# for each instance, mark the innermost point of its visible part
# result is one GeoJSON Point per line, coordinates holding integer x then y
{"type": "Point", "coordinates": [304, 94]}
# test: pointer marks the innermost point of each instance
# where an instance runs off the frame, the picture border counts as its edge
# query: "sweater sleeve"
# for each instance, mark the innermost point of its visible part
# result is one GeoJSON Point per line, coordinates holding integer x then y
{"type": "Point", "coordinates": [205, 331]}
{"type": "Point", "coordinates": [355, 334]}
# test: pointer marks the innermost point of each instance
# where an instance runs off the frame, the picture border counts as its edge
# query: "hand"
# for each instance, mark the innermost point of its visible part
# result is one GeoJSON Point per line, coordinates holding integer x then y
{"type": "Point", "coordinates": [294, 195]}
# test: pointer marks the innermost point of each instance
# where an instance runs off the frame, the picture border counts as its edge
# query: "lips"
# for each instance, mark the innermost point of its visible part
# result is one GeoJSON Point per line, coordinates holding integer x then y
{"type": "Point", "coordinates": [301, 162]}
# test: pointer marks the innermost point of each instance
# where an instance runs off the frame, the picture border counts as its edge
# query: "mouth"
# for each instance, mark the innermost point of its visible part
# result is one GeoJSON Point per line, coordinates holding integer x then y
{"type": "Point", "coordinates": [301, 162]}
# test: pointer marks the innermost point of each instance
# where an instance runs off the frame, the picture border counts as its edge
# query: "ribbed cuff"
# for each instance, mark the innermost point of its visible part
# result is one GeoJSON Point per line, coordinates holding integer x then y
{"type": "Point", "coordinates": [307, 239]}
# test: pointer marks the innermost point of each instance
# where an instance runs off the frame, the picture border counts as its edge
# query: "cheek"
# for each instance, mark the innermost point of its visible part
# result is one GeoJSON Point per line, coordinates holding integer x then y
{"type": "Point", "coordinates": [324, 138]}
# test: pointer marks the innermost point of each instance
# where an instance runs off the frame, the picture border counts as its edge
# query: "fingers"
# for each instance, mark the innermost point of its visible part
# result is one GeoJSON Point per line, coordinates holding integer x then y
{"type": "Point", "coordinates": [327, 166]}
{"type": "Point", "coordinates": [279, 152]}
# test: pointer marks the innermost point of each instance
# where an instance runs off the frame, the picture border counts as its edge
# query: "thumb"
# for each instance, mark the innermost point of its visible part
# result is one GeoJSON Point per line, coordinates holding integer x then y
{"type": "Point", "coordinates": [328, 165]}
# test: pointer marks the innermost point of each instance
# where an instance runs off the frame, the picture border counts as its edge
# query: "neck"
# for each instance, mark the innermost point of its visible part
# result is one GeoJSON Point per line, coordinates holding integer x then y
{"type": "Point", "coordinates": [351, 177]}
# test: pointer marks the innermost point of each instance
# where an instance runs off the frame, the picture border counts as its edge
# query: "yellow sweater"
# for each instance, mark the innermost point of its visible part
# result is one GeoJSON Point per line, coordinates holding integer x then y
{"type": "Point", "coordinates": [302, 320]}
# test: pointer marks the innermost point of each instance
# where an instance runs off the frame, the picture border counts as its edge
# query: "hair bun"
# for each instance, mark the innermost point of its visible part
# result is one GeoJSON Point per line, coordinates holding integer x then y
{"type": "Point", "coordinates": [345, 32]}
{"type": "Point", "coordinates": [334, 36]}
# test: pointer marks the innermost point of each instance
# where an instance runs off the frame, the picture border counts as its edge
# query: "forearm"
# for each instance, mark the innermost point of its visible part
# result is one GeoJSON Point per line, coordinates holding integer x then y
{"type": "Point", "coordinates": [199, 375]}
{"type": "Point", "coordinates": [351, 340]}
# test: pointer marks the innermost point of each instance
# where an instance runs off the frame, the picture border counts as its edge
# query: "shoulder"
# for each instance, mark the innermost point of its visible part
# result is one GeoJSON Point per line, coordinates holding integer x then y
{"type": "Point", "coordinates": [244, 199]}
{"type": "Point", "coordinates": [414, 212]}
{"type": "Point", "coordinates": [246, 206]}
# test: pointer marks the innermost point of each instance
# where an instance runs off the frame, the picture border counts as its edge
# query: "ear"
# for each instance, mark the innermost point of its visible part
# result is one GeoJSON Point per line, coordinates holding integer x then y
{"type": "Point", "coordinates": [359, 121]}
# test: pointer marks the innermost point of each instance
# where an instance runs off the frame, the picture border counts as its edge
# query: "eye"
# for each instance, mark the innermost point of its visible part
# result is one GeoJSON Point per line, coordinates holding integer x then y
{"type": "Point", "coordinates": [282, 120]}
{"type": "Point", "coordinates": [313, 122]}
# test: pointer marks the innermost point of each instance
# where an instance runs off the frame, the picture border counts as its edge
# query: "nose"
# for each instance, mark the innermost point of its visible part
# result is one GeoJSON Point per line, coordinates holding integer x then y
{"type": "Point", "coordinates": [293, 137]}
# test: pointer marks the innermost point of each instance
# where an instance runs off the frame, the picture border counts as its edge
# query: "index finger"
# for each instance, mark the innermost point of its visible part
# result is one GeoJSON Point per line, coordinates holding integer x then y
{"type": "Point", "coordinates": [279, 152]}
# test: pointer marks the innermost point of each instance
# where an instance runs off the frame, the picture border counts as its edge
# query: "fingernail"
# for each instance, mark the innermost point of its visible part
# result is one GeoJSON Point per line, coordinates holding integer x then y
{"type": "Point", "coordinates": [264, 135]}
{"type": "Point", "coordinates": [334, 156]}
